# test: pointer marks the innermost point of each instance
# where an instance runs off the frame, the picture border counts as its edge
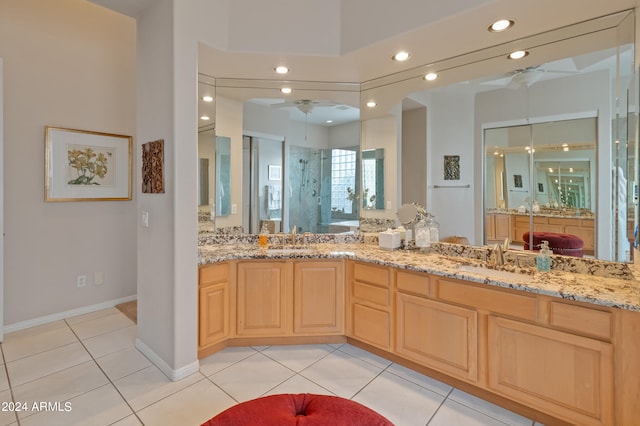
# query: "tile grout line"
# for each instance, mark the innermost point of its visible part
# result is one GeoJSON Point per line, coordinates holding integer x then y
{"type": "Point", "coordinates": [299, 373]}
{"type": "Point", "coordinates": [105, 375]}
{"type": "Point", "coordinates": [439, 406]}
{"type": "Point", "coordinates": [6, 371]}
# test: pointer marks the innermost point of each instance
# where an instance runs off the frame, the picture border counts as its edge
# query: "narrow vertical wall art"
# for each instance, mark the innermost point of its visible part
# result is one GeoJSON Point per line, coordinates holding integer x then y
{"type": "Point", "coordinates": [451, 167]}
{"type": "Point", "coordinates": [153, 167]}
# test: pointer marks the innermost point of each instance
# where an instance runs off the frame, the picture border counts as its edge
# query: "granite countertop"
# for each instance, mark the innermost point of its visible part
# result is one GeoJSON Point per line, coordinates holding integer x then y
{"type": "Point", "coordinates": [604, 291]}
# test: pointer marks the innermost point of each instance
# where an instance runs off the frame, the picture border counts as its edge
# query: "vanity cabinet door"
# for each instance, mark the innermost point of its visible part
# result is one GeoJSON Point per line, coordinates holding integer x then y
{"type": "Point", "coordinates": [318, 293]}
{"type": "Point", "coordinates": [263, 299]}
{"type": "Point", "coordinates": [438, 335]}
{"type": "Point", "coordinates": [498, 227]}
{"type": "Point", "coordinates": [567, 376]}
{"type": "Point", "coordinates": [503, 226]}
{"type": "Point", "coordinates": [213, 304]}
{"type": "Point", "coordinates": [214, 314]}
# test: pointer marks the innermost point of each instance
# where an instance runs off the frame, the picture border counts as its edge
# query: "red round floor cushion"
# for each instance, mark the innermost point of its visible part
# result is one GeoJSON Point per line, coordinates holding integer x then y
{"type": "Point", "coordinates": [565, 244]}
{"type": "Point", "coordinates": [298, 409]}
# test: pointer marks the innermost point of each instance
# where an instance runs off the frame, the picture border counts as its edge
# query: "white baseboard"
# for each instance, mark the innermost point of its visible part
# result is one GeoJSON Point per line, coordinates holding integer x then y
{"type": "Point", "coordinates": [66, 314]}
{"type": "Point", "coordinates": [173, 375]}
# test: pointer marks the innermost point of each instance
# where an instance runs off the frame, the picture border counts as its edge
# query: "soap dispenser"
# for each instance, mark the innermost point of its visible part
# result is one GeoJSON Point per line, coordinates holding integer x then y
{"type": "Point", "coordinates": [263, 237]}
{"type": "Point", "coordinates": [543, 259]}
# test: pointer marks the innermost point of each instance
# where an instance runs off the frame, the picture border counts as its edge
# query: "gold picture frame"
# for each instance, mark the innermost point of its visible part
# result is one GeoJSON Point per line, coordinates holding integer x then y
{"type": "Point", "coordinates": [82, 165]}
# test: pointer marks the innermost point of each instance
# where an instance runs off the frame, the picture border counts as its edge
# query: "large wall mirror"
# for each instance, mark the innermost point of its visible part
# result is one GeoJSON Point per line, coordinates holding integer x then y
{"type": "Point", "coordinates": [294, 157]}
{"type": "Point", "coordinates": [547, 169]}
{"type": "Point", "coordinates": [553, 132]}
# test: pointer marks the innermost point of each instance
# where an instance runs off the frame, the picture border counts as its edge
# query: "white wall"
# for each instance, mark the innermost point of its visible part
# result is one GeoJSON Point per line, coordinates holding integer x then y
{"type": "Point", "coordinates": [344, 135]}
{"type": "Point", "coordinates": [450, 132]}
{"type": "Point", "coordinates": [156, 244]}
{"type": "Point", "coordinates": [69, 64]}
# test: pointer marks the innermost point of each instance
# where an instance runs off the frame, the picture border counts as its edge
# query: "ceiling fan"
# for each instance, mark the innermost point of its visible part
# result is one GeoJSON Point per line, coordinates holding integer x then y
{"type": "Point", "coordinates": [527, 76]}
{"type": "Point", "coordinates": [304, 105]}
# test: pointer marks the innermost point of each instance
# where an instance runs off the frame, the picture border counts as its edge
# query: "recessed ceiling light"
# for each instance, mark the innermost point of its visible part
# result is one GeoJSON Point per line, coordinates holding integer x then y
{"type": "Point", "coordinates": [281, 69]}
{"type": "Point", "coordinates": [431, 76]}
{"type": "Point", "coordinates": [329, 121]}
{"type": "Point", "coordinates": [286, 90]}
{"type": "Point", "coordinates": [205, 117]}
{"type": "Point", "coordinates": [371, 104]}
{"type": "Point", "coordinates": [518, 54]}
{"type": "Point", "coordinates": [207, 98]}
{"type": "Point", "coordinates": [400, 56]}
{"type": "Point", "coordinates": [501, 25]}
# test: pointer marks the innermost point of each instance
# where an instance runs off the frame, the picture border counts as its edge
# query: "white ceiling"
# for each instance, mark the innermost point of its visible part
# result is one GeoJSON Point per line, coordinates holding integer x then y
{"type": "Point", "coordinates": [353, 40]}
{"type": "Point", "coordinates": [362, 34]}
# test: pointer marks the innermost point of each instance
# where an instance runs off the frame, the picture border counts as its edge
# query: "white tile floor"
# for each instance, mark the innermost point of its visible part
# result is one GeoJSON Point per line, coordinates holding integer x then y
{"type": "Point", "coordinates": [89, 367]}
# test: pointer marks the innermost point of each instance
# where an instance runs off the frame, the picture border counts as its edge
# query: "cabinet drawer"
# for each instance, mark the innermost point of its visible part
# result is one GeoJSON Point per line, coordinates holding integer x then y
{"type": "Point", "coordinates": [371, 293]}
{"type": "Point", "coordinates": [213, 274]}
{"type": "Point", "coordinates": [371, 274]}
{"type": "Point", "coordinates": [564, 221]}
{"type": "Point", "coordinates": [587, 223]}
{"type": "Point", "coordinates": [413, 283]}
{"type": "Point", "coordinates": [514, 305]}
{"type": "Point", "coordinates": [372, 326]}
{"type": "Point", "coordinates": [582, 320]}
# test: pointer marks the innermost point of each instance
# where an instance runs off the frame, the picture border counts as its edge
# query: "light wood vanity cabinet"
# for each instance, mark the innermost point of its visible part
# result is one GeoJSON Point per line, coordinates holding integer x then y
{"type": "Point", "coordinates": [369, 316]}
{"type": "Point", "coordinates": [290, 298]}
{"type": "Point", "coordinates": [559, 373]}
{"type": "Point", "coordinates": [318, 292]}
{"type": "Point", "coordinates": [438, 335]}
{"type": "Point", "coordinates": [552, 356]}
{"type": "Point", "coordinates": [264, 298]}
{"type": "Point", "coordinates": [498, 227]}
{"type": "Point", "coordinates": [213, 304]}
{"type": "Point", "coordinates": [567, 360]}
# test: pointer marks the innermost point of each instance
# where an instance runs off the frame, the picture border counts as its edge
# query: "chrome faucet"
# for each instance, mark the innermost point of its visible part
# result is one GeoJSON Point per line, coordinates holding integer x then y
{"type": "Point", "coordinates": [294, 230]}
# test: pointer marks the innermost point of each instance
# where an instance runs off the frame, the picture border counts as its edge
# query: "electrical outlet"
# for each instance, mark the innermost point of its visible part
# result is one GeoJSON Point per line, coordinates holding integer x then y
{"type": "Point", "coordinates": [81, 281]}
{"type": "Point", "coordinates": [234, 208]}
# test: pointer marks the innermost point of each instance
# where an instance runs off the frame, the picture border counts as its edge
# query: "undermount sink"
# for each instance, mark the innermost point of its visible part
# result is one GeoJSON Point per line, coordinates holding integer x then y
{"type": "Point", "coordinates": [289, 250]}
{"type": "Point", "coordinates": [495, 273]}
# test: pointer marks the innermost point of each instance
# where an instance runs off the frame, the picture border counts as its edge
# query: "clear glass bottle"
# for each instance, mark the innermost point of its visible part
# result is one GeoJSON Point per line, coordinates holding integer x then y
{"type": "Point", "coordinates": [263, 237]}
{"type": "Point", "coordinates": [434, 229]}
{"type": "Point", "coordinates": [543, 259]}
{"type": "Point", "coordinates": [422, 234]}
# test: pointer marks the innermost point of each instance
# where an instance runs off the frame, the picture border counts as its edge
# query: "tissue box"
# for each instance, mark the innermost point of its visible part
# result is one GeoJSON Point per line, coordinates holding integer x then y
{"type": "Point", "coordinates": [389, 239]}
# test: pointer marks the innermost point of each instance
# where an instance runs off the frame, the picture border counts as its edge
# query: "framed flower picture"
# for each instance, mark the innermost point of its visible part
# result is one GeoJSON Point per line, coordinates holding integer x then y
{"type": "Point", "coordinates": [87, 166]}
